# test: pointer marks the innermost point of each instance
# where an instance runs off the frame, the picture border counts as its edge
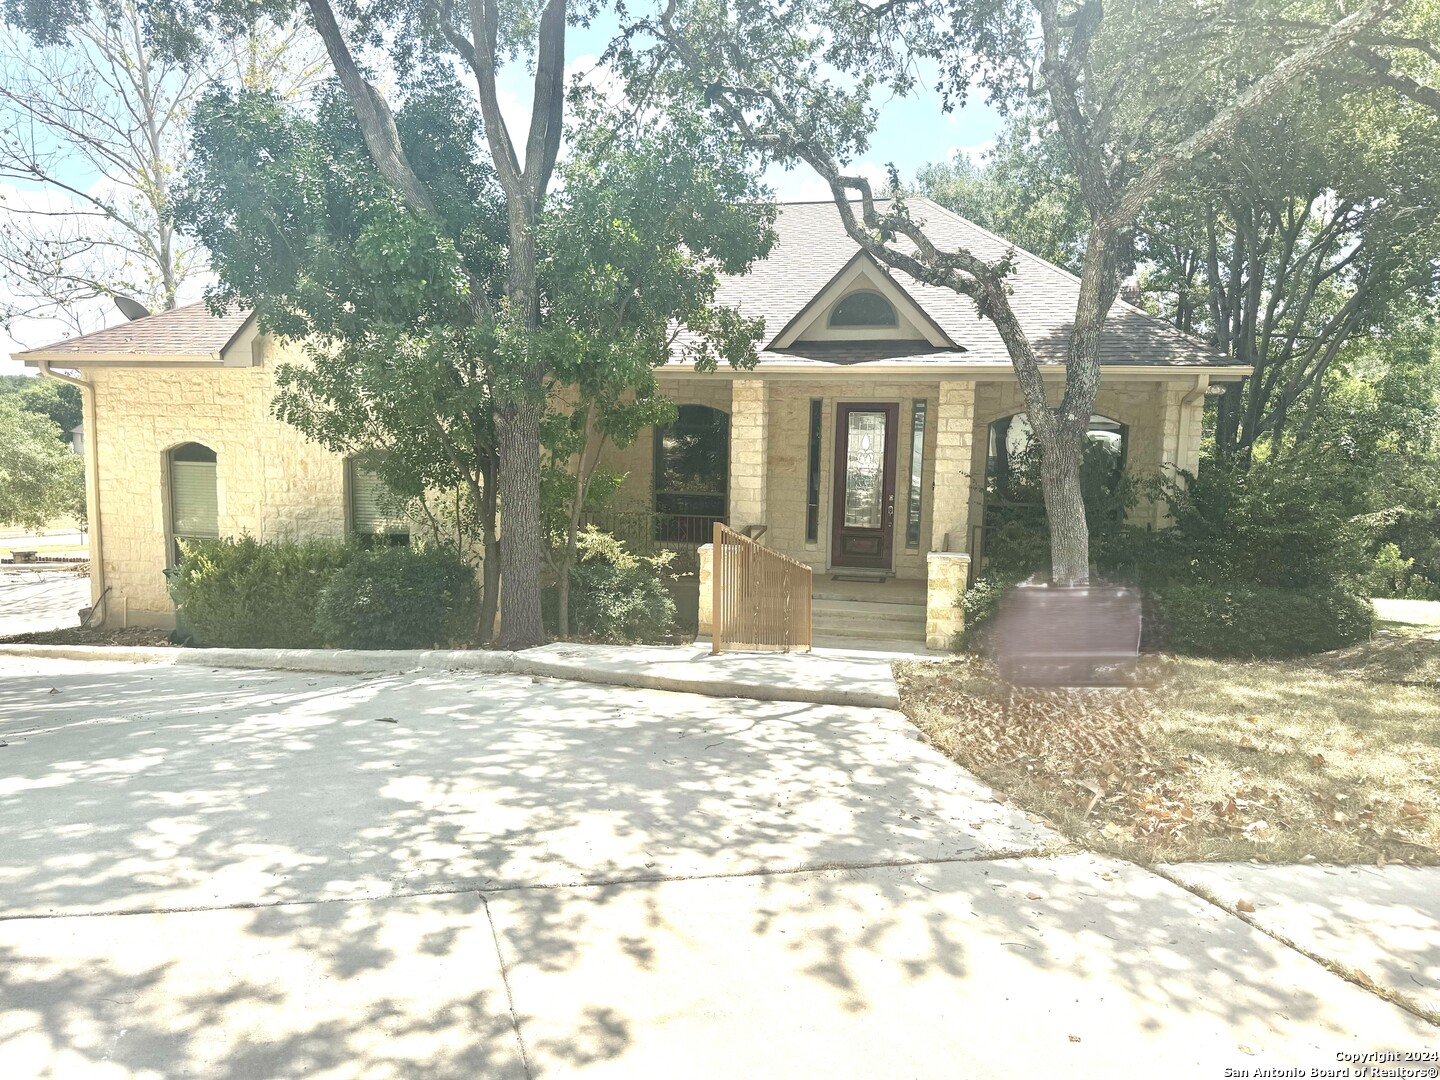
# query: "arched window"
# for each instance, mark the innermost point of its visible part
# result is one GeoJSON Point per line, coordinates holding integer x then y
{"type": "Point", "coordinates": [863, 310]}
{"type": "Point", "coordinates": [692, 468]}
{"type": "Point", "coordinates": [1012, 466]}
{"type": "Point", "coordinates": [194, 507]}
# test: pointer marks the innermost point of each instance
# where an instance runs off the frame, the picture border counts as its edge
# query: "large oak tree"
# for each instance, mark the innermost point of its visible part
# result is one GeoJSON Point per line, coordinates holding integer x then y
{"type": "Point", "coordinates": [1118, 77]}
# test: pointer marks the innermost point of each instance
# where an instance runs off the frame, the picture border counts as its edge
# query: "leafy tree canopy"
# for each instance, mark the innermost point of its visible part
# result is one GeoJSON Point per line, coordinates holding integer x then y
{"type": "Point", "coordinates": [40, 479]}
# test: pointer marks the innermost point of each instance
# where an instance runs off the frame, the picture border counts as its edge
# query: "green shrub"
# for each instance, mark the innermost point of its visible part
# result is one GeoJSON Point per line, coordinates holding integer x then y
{"type": "Point", "coordinates": [400, 598]}
{"type": "Point", "coordinates": [249, 593]}
{"type": "Point", "coordinates": [1256, 621]}
{"type": "Point", "coordinates": [618, 596]}
{"type": "Point", "coordinates": [980, 603]}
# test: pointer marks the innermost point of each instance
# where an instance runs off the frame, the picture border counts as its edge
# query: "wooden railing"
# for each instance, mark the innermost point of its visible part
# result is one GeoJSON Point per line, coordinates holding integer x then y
{"type": "Point", "coordinates": [761, 599]}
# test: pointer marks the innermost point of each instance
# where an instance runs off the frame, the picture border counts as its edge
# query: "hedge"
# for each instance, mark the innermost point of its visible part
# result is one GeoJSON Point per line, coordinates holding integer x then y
{"type": "Point", "coordinates": [1255, 622]}
{"type": "Point", "coordinates": [400, 598]}
{"type": "Point", "coordinates": [250, 593]}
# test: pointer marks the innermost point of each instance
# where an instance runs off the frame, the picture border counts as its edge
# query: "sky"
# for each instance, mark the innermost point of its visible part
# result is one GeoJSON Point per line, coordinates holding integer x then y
{"type": "Point", "coordinates": [911, 132]}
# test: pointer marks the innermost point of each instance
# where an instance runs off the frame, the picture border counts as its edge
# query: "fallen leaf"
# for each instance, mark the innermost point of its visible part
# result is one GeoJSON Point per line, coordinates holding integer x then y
{"type": "Point", "coordinates": [386, 720]}
{"type": "Point", "coordinates": [53, 690]}
{"type": "Point", "coordinates": [1246, 1050]}
{"type": "Point", "coordinates": [1318, 760]}
{"type": "Point", "coordinates": [1364, 980]}
{"type": "Point", "coordinates": [1074, 1038]}
{"type": "Point", "coordinates": [1245, 905]}
{"type": "Point", "coordinates": [1033, 896]}
{"type": "Point", "coordinates": [1245, 743]}
{"type": "Point", "coordinates": [1411, 809]}
{"type": "Point", "coordinates": [1106, 875]}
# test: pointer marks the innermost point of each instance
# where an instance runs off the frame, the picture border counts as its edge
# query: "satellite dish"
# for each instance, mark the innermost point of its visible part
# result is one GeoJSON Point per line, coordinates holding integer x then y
{"type": "Point", "coordinates": [131, 309]}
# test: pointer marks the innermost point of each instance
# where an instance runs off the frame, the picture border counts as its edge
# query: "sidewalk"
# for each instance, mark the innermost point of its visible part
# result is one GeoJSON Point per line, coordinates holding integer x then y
{"type": "Point", "coordinates": [822, 677]}
{"type": "Point", "coordinates": [1378, 926]}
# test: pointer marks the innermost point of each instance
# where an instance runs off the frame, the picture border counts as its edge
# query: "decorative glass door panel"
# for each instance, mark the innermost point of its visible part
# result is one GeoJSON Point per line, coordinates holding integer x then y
{"type": "Point", "coordinates": [864, 522]}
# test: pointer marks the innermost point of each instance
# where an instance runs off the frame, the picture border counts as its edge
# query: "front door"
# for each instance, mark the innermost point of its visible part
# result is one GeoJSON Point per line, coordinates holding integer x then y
{"type": "Point", "coordinates": [863, 530]}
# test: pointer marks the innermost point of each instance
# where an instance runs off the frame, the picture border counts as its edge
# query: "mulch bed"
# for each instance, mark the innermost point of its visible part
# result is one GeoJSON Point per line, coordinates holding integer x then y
{"type": "Point", "coordinates": [129, 636]}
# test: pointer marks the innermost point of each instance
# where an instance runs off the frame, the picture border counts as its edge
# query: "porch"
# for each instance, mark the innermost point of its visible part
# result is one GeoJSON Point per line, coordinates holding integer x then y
{"type": "Point", "coordinates": [873, 476]}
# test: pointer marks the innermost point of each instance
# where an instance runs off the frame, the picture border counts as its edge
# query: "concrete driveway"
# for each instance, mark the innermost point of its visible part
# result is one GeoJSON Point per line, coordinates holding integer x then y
{"type": "Point", "coordinates": [244, 874]}
{"type": "Point", "coordinates": [36, 600]}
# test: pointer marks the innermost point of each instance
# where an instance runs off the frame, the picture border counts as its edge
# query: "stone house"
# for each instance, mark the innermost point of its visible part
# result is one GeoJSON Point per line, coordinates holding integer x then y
{"type": "Point", "coordinates": [860, 444]}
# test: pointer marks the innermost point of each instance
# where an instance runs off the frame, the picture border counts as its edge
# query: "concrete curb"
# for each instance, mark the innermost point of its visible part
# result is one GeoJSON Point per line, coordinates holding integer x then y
{"type": "Point", "coordinates": [359, 662]}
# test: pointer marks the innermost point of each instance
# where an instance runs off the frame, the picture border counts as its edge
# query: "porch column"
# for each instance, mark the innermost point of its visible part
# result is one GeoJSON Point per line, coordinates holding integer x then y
{"type": "Point", "coordinates": [950, 510]}
{"type": "Point", "coordinates": [749, 446]}
{"type": "Point", "coordinates": [947, 564]}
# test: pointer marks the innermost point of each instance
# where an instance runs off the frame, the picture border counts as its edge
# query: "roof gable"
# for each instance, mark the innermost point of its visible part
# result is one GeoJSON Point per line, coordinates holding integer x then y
{"type": "Point", "coordinates": [862, 272]}
{"type": "Point", "coordinates": [190, 333]}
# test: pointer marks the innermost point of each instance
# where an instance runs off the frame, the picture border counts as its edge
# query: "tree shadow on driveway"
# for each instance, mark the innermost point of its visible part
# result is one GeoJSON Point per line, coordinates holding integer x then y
{"type": "Point", "coordinates": [678, 885]}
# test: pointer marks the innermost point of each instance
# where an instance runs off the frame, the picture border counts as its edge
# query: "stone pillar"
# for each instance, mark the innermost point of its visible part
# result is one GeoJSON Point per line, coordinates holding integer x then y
{"type": "Point", "coordinates": [954, 425]}
{"type": "Point", "coordinates": [749, 447]}
{"type": "Point", "coordinates": [707, 589]}
{"type": "Point", "coordinates": [947, 573]}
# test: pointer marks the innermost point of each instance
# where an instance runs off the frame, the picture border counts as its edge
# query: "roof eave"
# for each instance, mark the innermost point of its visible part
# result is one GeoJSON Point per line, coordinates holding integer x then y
{"type": "Point", "coordinates": [118, 359]}
{"type": "Point", "coordinates": [944, 369]}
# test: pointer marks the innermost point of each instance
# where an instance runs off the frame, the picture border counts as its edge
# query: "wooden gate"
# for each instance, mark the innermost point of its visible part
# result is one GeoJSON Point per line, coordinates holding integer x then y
{"type": "Point", "coordinates": [762, 598]}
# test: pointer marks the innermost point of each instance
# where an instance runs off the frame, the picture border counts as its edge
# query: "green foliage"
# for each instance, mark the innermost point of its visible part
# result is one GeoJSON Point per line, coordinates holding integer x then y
{"type": "Point", "coordinates": [40, 478]}
{"type": "Point", "coordinates": [1278, 527]}
{"type": "Point", "coordinates": [1023, 190]}
{"type": "Point", "coordinates": [400, 598]}
{"type": "Point", "coordinates": [1390, 574]}
{"type": "Point", "coordinates": [255, 594]}
{"type": "Point", "coordinates": [980, 604]}
{"type": "Point", "coordinates": [1017, 532]}
{"type": "Point", "coordinates": [1255, 621]}
{"type": "Point", "coordinates": [58, 401]}
{"type": "Point", "coordinates": [618, 596]}
{"type": "Point", "coordinates": [1264, 561]}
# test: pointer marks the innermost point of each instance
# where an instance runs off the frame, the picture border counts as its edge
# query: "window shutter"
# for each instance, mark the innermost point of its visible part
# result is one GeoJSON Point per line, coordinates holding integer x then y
{"type": "Point", "coordinates": [367, 514]}
{"type": "Point", "coordinates": [194, 507]}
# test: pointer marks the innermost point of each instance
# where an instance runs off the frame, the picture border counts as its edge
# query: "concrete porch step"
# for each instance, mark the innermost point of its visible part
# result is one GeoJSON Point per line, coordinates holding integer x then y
{"type": "Point", "coordinates": [890, 631]}
{"type": "Point", "coordinates": [867, 610]}
{"type": "Point", "coordinates": [906, 594]}
{"type": "Point", "coordinates": [897, 648]}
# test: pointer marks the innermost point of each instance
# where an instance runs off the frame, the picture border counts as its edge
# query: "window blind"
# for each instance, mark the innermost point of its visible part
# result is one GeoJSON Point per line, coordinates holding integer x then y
{"type": "Point", "coordinates": [195, 509]}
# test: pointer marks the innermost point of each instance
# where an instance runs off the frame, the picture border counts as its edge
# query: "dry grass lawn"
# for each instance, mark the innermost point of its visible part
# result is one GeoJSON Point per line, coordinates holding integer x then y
{"type": "Point", "coordinates": [1336, 759]}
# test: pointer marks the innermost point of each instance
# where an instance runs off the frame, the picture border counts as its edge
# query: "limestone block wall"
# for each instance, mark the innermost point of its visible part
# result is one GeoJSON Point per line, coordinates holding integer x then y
{"type": "Point", "coordinates": [953, 468]}
{"type": "Point", "coordinates": [270, 481]}
{"type": "Point", "coordinates": [749, 448]}
{"type": "Point", "coordinates": [949, 576]}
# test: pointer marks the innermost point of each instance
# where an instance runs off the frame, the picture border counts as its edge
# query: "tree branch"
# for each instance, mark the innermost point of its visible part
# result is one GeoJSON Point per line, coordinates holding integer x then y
{"type": "Point", "coordinates": [1144, 187]}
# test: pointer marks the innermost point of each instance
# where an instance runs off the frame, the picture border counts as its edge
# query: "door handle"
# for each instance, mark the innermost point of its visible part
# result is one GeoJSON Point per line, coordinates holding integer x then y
{"type": "Point", "coordinates": [890, 512]}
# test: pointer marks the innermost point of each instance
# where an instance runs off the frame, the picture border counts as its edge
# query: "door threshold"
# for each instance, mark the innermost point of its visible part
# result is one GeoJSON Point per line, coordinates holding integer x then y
{"type": "Point", "coordinates": [876, 577]}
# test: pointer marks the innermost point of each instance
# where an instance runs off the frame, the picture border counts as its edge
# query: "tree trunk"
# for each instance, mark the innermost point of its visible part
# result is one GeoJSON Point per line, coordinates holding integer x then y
{"type": "Point", "coordinates": [1062, 434]}
{"type": "Point", "coordinates": [490, 598]}
{"type": "Point", "coordinates": [517, 427]}
{"type": "Point", "coordinates": [1064, 506]}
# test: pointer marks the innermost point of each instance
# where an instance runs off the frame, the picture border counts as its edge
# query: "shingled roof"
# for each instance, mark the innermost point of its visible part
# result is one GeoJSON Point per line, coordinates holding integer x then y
{"type": "Point", "coordinates": [190, 330]}
{"type": "Point", "coordinates": [812, 247]}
